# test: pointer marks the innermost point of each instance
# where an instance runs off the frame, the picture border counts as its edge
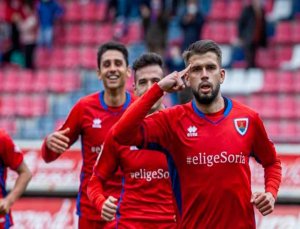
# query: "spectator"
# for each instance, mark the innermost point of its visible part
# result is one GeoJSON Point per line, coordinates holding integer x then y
{"type": "Point", "coordinates": [28, 34]}
{"type": "Point", "coordinates": [252, 30]}
{"type": "Point", "coordinates": [191, 22]}
{"type": "Point", "coordinates": [155, 24]}
{"type": "Point", "coordinates": [13, 12]}
{"type": "Point", "coordinates": [48, 12]}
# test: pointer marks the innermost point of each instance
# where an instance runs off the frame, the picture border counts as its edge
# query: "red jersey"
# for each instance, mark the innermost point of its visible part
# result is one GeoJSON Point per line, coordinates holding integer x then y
{"type": "Point", "coordinates": [146, 195]}
{"type": "Point", "coordinates": [10, 156]}
{"type": "Point", "coordinates": [91, 119]}
{"type": "Point", "coordinates": [210, 155]}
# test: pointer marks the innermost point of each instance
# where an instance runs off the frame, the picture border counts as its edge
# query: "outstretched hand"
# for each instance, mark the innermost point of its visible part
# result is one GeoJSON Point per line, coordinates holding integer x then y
{"type": "Point", "coordinates": [174, 81]}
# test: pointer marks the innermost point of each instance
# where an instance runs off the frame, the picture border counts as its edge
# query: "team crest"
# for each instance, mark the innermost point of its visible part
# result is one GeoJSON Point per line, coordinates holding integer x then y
{"type": "Point", "coordinates": [241, 125]}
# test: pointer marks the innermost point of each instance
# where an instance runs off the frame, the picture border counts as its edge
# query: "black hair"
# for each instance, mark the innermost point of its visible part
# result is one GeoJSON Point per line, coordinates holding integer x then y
{"type": "Point", "coordinates": [112, 45]}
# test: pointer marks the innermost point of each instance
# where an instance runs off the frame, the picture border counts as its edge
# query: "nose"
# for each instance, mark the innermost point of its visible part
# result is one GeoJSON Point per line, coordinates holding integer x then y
{"type": "Point", "coordinates": [112, 67]}
{"type": "Point", "coordinates": [204, 74]}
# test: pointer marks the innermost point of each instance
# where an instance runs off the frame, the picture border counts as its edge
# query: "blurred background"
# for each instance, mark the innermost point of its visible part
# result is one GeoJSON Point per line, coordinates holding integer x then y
{"type": "Point", "coordinates": [48, 52]}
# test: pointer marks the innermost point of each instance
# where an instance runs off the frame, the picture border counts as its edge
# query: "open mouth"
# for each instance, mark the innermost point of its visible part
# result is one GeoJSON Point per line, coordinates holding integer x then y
{"type": "Point", "coordinates": [113, 77]}
{"type": "Point", "coordinates": [205, 88]}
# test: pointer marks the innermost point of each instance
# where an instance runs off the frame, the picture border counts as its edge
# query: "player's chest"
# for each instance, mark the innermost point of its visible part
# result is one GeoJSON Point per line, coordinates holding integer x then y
{"type": "Point", "coordinates": [230, 135]}
{"type": "Point", "coordinates": [97, 123]}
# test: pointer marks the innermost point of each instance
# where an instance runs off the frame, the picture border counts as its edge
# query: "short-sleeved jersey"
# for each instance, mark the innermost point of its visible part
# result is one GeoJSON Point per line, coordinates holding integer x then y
{"type": "Point", "coordinates": [210, 156]}
{"type": "Point", "coordinates": [91, 119]}
{"type": "Point", "coordinates": [146, 194]}
{"type": "Point", "coordinates": [10, 156]}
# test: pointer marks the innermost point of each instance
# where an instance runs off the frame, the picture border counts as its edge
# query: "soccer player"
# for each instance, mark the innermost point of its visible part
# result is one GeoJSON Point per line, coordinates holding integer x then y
{"type": "Point", "coordinates": [210, 141]}
{"type": "Point", "coordinates": [147, 199]}
{"type": "Point", "coordinates": [11, 156]}
{"type": "Point", "coordinates": [91, 118]}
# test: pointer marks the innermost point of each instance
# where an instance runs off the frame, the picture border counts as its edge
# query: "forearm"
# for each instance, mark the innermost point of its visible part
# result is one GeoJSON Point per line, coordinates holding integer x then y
{"type": "Point", "coordinates": [126, 131]}
{"type": "Point", "coordinates": [95, 192]}
{"type": "Point", "coordinates": [273, 178]}
{"type": "Point", "coordinates": [24, 176]}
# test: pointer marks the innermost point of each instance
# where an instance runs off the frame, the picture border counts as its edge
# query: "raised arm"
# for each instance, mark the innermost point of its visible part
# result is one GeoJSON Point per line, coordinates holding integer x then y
{"type": "Point", "coordinates": [128, 129]}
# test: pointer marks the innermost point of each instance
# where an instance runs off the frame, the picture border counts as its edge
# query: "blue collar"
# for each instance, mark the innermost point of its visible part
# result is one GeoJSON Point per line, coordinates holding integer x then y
{"type": "Point", "coordinates": [228, 107]}
{"type": "Point", "coordinates": [104, 105]}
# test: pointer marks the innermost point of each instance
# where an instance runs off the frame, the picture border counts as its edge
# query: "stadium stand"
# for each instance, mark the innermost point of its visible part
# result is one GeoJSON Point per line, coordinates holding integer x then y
{"type": "Point", "coordinates": [69, 68]}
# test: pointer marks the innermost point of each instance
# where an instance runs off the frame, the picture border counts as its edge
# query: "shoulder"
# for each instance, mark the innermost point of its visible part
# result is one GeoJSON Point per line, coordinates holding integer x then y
{"type": "Point", "coordinates": [88, 100]}
{"type": "Point", "coordinates": [243, 109]}
{"type": "Point", "coordinates": [177, 111]}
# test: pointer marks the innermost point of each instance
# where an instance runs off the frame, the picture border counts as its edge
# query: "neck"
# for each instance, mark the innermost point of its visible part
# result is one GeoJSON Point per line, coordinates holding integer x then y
{"type": "Point", "coordinates": [217, 105]}
{"type": "Point", "coordinates": [115, 98]}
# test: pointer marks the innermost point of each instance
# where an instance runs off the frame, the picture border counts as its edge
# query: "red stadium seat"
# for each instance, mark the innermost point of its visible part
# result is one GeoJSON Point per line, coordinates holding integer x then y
{"type": "Point", "coordinates": [8, 105]}
{"type": "Point", "coordinates": [296, 84]}
{"type": "Point", "coordinates": [134, 33]}
{"type": "Point", "coordinates": [73, 11]}
{"type": "Point", "coordinates": [273, 129]}
{"type": "Point", "coordinates": [266, 58]}
{"type": "Point", "coordinates": [93, 11]}
{"type": "Point", "coordinates": [25, 82]}
{"type": "Point", "coordinates": [283, 54]}
{"type": "Point", "coordinates": [24, 105]}
{"type": "Point", "coordinates": [285, 81]}
{"type": "Point", "coordinates": [11, 79]}
{"type": "Point", "coordinates": [270, 81]}
{"type": "Point", "coordinates": [3, 10]}
{"type": "Point", "coordinates": [88, 57]}
{"type": "Point", "coordinates": [73, 34]}
{"type": "Point", "coordinates": [287, 107]}
{"type": "Point", "coordinates": [88, 32]}
{"type": "Point", "coordinates": [235, 7]}
{"type": "Point", "coordinates": [218, 11]}
{"type": "Point", "coordinates": [283, 32]}
{"type": "Point", "coordinates": [296, 32]}
{"type": "Point", "coordinates": [57, 58]}
{"type": "Point", "coordinates": [39, 105]}
{"type": "Point", "coordinates": [270, 106]}
{"type": "Point", "coordinates": [71, 57]}
{"type": "Point", "coordinates": [255, 102]}
{"type": "Point", "coordinates": [288, 131]}
{"type": "Point", "coordinates": [40, 82]}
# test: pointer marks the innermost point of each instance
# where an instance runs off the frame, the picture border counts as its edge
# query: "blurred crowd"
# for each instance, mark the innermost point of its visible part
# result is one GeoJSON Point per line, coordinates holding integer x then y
{"type": "Point", "coordinates": [27, 24]}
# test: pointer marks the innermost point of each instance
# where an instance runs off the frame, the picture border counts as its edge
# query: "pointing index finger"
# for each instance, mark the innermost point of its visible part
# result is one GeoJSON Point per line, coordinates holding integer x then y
{"type": "Point", "coordinates": [184, 71]}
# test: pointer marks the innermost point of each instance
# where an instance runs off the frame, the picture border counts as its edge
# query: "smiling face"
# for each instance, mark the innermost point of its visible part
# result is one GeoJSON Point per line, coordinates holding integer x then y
{"type": "Point", "coordinates": [205, 77]}
{"type": "Point", "coordinates": [113, 70]}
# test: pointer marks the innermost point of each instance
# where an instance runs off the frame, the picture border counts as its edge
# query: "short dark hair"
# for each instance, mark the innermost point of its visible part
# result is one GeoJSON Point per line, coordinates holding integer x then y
{"type": "Point", "coordinates": [147, 59]}
{"type": "Point", "coordinates": [202, 47]}
{"type": "Point", "coordinates": [112, 45]}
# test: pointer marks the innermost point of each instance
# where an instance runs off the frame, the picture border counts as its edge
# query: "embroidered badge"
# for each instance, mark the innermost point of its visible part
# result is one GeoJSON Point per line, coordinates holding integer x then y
{"type": "Point", "coordinates": [241, 125]}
